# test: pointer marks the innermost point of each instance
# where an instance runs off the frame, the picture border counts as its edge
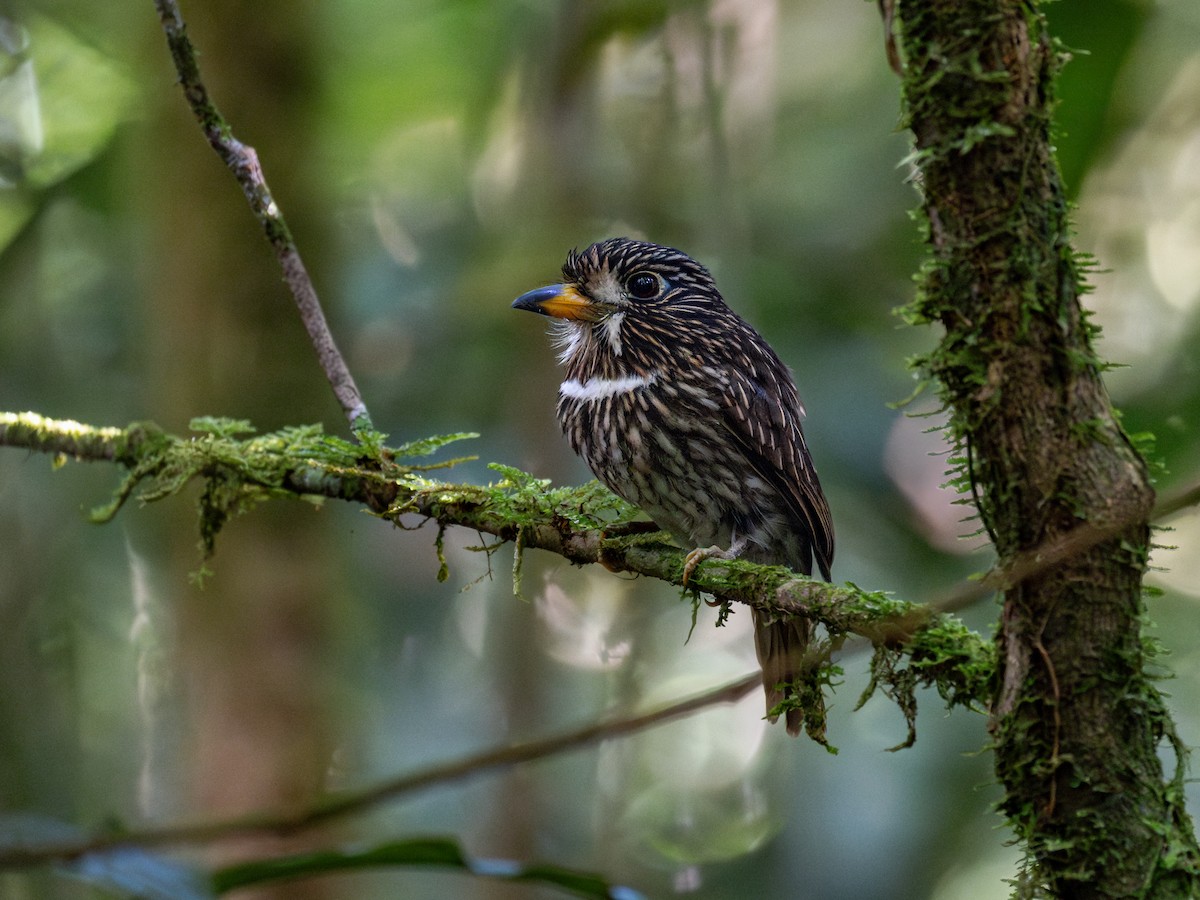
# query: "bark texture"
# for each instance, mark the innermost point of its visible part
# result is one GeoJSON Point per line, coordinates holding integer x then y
{"type": "Point", "coordinates": [1076, 721]}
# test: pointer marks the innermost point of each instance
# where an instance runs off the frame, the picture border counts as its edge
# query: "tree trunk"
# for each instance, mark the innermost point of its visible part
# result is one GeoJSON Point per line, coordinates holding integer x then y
{"type": "Point", "coordinates": [1076, 721]}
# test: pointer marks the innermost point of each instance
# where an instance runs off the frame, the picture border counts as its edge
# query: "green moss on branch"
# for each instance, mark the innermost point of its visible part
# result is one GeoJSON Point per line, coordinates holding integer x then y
{"type": "Point", "coordinates": [585, 525]}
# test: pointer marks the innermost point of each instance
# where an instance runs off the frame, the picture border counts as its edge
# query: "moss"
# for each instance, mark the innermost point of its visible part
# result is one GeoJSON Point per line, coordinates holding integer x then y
{"type": "Point", "coordinates": [1039, 449]}
{"type": "Point", "coordinates": [585, 524]}
{"type": "Point", "coordinates": [240, 470]}
{"type": "Point", "coordinates": [809, 694]}
{"type": "Point", "coordinates": [942, 654]}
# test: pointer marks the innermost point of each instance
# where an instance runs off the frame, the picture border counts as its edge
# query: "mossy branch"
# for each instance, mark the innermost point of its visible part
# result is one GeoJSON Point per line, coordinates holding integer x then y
{"type": "Point", "coordinates": [914, 645]}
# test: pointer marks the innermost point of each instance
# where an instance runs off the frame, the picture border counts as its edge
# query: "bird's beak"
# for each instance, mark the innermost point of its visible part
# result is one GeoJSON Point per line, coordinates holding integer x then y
{"type": "Point", "coordinates": [563, 301]}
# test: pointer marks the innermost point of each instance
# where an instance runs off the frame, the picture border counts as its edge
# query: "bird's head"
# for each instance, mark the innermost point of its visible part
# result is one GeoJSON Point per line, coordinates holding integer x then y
{"type": "Point", "coordinates": [622, 296]}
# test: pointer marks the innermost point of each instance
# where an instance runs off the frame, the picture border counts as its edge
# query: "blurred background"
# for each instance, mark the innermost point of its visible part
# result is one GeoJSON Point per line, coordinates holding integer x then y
{"type": "Point", "coordinates": [436, 158]}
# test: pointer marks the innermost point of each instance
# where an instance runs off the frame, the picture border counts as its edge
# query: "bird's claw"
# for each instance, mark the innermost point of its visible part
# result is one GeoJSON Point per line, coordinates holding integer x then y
{"type": "Point", "coordinates": [699, 555]}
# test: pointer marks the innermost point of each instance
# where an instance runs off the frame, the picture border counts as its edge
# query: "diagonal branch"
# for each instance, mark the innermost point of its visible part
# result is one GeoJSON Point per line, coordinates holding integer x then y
{"type": "Point", "coordinates": [352, 802]}
{"type": "Point", "coordinates": [1057, 550]}
{"type": "Point", "coordinates": [571, 522]}
{"type": "Point", "coordinates": [242, 160]}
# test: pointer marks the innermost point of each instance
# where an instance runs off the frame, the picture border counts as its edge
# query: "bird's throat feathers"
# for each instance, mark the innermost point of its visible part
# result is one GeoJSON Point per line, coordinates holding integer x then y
{"type": "Point", "coordinates": [587, 348]}
{"type": "Point", "coordinates": [610, 332]}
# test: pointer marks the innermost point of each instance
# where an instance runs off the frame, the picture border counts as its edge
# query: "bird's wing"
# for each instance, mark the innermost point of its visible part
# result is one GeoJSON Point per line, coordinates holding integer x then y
{"type": "Point", "coordinates": [760, 408]}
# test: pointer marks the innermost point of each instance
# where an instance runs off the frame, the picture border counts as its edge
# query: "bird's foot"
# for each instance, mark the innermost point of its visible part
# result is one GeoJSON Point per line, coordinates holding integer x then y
{"type": "Point", "coordinates": [699, 555]}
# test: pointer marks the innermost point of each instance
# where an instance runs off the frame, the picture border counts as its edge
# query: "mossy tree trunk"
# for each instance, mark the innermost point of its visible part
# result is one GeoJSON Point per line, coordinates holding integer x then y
{"type": "Point", "coordinates": [1076, 721]}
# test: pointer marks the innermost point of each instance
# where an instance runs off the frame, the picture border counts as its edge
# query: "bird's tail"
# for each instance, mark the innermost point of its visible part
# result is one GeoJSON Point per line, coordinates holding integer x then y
{"type": "Point", "coordinates": [783, 654]}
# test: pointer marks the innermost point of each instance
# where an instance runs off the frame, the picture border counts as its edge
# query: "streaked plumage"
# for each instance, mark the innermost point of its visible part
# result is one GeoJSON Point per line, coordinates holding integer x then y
{"type": "Point", "coordinates": [681, 408]}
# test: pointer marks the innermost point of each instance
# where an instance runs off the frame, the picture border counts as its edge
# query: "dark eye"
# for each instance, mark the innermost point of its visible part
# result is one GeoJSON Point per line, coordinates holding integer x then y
{"type": "Point", "coordinates": [643, 285]}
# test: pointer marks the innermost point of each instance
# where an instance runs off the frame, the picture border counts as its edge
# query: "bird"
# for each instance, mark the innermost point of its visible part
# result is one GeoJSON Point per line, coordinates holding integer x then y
{"type": "Point", "coordinates": [681, 408]}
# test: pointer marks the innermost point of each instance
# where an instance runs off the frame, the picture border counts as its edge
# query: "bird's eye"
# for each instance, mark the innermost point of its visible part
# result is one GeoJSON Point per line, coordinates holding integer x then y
{"type": "Point", "coordinates": [643, 285]}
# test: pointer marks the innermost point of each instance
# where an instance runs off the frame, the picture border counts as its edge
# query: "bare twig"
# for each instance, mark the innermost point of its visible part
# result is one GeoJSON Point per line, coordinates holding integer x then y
{"type": "Point", "coordinates": [242, 160]}
{"type": "Point", "coordinates": [276, 823]}
{"type": "Point", "coordinates": [1039, 560]}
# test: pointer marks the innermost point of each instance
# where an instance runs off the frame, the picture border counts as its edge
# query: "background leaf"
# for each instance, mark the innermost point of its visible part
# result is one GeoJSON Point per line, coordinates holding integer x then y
{"type": "Point", "coordinates": [436, 852]}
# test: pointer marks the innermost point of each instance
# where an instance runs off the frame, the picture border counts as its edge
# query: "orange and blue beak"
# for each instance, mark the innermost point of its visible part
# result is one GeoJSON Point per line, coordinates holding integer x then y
{"type": "Point", "coordinates": [562, 301]}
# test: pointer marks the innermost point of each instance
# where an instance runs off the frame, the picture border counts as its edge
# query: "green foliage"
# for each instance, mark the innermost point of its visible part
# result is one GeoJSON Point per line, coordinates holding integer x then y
{"type": "Point", "coordinates": [809, 694]}
{"type": "Point", "coordinates": [942, 655]}
{"type": "Point", "coordinates": [517, 502]}
{"type": "Point", "coordinates": [61, 101]}
{"type": "Point", "coordinates": [588, 506]}
{"type": "Point", "coordinates": [437, 853]}
{"type": "Point", "coordinates": [239, 472]}
{"type": "Point", "coordinates": [430, 445]}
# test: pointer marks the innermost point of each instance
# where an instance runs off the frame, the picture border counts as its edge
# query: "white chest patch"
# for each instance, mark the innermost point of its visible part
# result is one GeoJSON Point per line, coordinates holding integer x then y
{"type": "Point", "coordinates": [600, 388]}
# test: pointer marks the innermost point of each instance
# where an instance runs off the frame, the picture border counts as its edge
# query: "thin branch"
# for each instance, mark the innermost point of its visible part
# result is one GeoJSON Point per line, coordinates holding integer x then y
{"type": "Point", "coordinates": [242, 160]}
{"type": "Point", "coordinates": [1067, 546]}
{"type": "Point", "coordinates": [350, 802]}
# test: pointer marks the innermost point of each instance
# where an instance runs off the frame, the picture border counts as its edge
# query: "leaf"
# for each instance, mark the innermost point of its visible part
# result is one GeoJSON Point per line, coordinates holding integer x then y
{"type": "Point", "coordinates": [433, 851]}
{"type": "Point", "coordinates": [84, 96]}
{"type": "Point", "coordinates": [61, 101]}
{"type": "Point", "coordinates": [429, 445]}
{"type": "Point", "coordinates": [518, 479]}
{"type": "Point", "coordinates": [220, 427]}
